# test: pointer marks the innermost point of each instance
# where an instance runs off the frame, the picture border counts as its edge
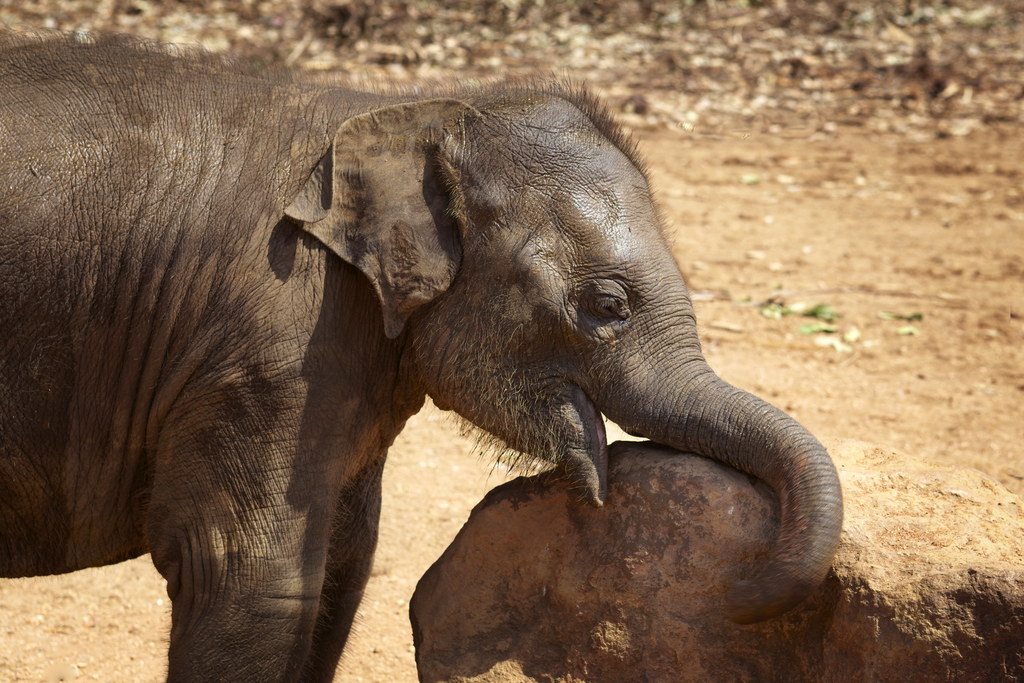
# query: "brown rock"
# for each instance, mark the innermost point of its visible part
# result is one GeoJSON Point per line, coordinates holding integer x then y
{"type": "Point", "coordinates": [928, 583]}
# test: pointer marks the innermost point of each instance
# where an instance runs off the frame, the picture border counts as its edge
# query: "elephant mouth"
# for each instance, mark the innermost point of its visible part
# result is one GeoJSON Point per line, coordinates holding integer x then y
{"type": "Point", "coordinates": [586, 464]}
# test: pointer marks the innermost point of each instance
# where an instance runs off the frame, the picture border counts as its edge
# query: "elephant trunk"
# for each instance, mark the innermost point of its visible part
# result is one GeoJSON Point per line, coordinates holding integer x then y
{"type": "Point", "coordinates": [710, 417]}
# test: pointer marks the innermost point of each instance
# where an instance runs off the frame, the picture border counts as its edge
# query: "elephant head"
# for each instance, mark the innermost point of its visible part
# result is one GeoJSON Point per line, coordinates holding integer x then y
{"type": "Point", "coordinates": [514, 245]}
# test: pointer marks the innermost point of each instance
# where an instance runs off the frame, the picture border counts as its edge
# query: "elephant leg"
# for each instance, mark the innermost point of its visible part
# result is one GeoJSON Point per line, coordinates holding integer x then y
{"type": "Point", "coordinates": [243, 555]}
{"type": "Point", "coordinates": [350, 558]}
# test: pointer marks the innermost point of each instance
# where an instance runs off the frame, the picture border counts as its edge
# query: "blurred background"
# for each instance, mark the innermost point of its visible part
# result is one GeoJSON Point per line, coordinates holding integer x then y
{"type": "Point", "coordinates": [700, 64]}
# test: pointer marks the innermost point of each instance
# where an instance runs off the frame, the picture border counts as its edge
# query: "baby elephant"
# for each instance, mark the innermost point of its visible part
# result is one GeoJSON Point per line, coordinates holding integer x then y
{"type": "Point", "coordinates": [224, 293]}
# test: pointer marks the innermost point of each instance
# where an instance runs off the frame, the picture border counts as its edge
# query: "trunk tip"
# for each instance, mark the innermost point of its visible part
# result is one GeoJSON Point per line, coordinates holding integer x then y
{"type": "Point", "coordinates": [750, 601]}
{"type": "Point", "coordinates": [746, 603]}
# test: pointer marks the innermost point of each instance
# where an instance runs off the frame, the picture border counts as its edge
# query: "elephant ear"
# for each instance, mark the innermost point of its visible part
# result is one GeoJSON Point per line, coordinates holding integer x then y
{"type": "Point", "coordinates": [380, 198]}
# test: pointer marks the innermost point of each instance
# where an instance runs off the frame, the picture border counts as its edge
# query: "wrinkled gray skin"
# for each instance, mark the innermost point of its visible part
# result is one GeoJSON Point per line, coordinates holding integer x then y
{"type": "Point", "coordinates": [223, 295]}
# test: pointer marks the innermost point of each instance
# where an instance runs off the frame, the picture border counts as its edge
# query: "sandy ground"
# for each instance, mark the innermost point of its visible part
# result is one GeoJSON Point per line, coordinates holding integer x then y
{"type": "Point", "coordinates": [866, 223]}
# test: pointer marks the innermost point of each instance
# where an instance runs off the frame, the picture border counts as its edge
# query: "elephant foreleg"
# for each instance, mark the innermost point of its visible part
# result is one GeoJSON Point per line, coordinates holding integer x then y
{"type": "Point", "coordinates": [350, 558]}
{"type": "Point", "coordinates": [244, 558]}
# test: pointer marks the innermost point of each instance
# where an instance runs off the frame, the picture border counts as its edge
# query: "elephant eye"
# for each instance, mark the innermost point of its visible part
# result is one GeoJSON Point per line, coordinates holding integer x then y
{"type": "Point", "coordinates": [610, 307]}
{"type": "Point", "coordinates": [606, 303]}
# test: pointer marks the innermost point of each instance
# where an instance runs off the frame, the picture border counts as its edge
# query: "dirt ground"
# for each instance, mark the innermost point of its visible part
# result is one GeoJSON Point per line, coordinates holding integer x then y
{"type": "Point", "coordinates": [868, 224]}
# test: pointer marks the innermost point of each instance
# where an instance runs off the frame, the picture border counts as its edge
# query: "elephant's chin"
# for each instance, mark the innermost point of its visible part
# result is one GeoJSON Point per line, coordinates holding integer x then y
{"type": "Point", "coordinates": [586, 460]}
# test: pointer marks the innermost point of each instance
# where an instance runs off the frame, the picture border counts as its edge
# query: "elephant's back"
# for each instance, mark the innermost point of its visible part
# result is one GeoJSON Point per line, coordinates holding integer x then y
{"type": "Point", "coordinates": [126, 167]}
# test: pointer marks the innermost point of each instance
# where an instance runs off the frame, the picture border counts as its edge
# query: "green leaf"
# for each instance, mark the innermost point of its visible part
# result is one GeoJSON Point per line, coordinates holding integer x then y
{"type": "Point", "coordinates": [750, 179]}
{"type": "Point", "coordinates": [851, 335]}
{"type": "Point", "coordinates": [776, 310]}
{"type": "Point", "coordinates": [815, 328]}
{"type": "Point", "coordinates": [909, 317]}
{"type": "Point", "coordinates": [907, 330]}
{"type": "Point", "coordinates": [822, 312]}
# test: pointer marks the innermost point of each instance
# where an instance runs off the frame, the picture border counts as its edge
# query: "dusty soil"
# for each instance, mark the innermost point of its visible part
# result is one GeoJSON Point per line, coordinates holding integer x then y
{"type": "Point", "coordinates": [867, 224]}
{"type": "Point", "coordinates": [867, 161]}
